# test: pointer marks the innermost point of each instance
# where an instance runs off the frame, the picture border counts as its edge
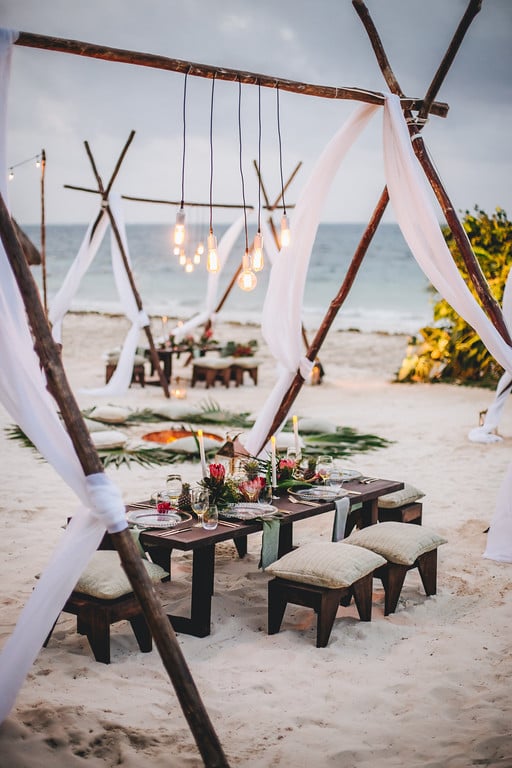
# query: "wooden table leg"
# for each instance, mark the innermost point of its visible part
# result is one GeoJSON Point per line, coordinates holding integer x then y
{"type": "Point", "coordinates": [370, 513]}
{"type": "Point", "coordinates": [203, 569]}
{"type": "Point", "coordinates": [285, 539]}
{"type": "Point", "coordinates": [241, 546]}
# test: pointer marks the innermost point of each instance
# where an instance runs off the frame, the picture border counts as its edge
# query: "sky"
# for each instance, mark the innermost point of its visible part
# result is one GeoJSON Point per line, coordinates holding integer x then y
{"type": "Point", "coordinates": [57, 101]}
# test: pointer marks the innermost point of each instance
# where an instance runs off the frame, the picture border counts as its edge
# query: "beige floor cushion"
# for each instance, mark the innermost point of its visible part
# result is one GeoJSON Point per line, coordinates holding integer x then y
{"type": "Point", "coordinates": [408, 495]}
{"type": "Point", "coordinates": [105, 578]}
{"type": "Point", "coordinates": [326, 564]}
{"type": "Point", "coordinates": [397, 542]}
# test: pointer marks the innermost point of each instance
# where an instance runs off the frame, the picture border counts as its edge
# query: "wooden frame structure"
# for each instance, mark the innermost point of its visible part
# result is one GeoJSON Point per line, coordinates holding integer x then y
{"type": "Point", "coordinates": [48, 351]}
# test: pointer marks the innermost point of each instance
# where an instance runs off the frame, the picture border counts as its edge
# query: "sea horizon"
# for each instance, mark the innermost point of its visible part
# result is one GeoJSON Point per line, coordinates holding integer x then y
{"type": "Point", "coordinates": [390, 293]}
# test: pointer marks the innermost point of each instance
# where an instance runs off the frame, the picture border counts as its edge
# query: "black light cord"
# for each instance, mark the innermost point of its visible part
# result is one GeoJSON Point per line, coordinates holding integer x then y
{"type": "Point", "coordinates": [259, 154]}
{"type": "Point", "coordinates": [241, 168]}
{"type": "Point", "coordinates": [211, 154]}
{"type": "Point", "coordinates": [280, 150]}
{"type": "Point", "coordinates": [184, 140]}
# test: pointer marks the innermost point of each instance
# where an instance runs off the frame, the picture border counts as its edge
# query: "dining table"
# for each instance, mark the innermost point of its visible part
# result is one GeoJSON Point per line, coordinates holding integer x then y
{"type": "Point", "coordinates": [160, 543]}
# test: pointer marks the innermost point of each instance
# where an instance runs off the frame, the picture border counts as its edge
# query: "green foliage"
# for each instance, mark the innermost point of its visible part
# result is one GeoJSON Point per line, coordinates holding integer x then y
{"type": "Point", "coordinates": [450, 350]}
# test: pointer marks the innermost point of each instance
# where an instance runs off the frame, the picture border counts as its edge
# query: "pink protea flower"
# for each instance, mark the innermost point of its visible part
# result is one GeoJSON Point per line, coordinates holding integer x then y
{"type": "Point", "coordinates": [217, 473]}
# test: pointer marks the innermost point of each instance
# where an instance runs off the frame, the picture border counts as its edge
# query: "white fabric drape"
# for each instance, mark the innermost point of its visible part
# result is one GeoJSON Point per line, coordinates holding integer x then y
{"type": "Point", "coordinates": [23, 394]}
{"type": "Point", "coordinates": [224, 248]}
{"type": "Point", "coordinates": [485, 433]}
{"type": "Point", "coordinates": [415, 215]}
{"type": "Point", "coordinates": [282, 310]}
{"type": "Point", "coordinates": [120, 381]}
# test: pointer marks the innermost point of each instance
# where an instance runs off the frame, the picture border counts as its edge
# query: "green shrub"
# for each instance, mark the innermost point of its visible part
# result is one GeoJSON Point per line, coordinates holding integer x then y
{"type": "Point", "coordinates": [450, 350]}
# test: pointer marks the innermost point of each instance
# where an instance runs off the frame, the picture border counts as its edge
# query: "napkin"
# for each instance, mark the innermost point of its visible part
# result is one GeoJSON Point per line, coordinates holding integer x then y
{"type": "Point", "coordinates": [270, 542]}
{"type": "Point", "coordinates": [342, 507]}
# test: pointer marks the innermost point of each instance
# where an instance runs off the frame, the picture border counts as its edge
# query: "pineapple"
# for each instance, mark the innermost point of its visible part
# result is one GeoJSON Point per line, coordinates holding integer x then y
{"type": "Point", "coordinates": [252, 469]}
{"type": "Point", "coordinates": [184, 498]}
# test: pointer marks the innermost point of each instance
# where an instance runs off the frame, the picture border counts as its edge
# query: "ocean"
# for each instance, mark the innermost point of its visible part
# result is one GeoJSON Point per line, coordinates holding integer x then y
{"type": "Point", "coordinates": [390, 293]}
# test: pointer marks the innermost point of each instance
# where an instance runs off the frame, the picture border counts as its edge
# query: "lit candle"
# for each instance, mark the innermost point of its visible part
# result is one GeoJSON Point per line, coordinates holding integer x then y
{"type": "Point", "coordinates": [296, 435]}
{"type": "Point", "coordinates": [201, 452]}
{"type": "Point", "coordinates": [273, 461]}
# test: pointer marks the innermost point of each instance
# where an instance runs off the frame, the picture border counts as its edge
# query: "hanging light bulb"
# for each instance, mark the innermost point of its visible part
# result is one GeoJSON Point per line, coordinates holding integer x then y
{"type": "Point", "coordinates": [212, 262]}
{"type": "Point", "coordinates": [183, 258]}
{"type": "Point", "coordinates": [11, 174]}
{"type": "Point", "coordinates": [176, 250]}
{"type": "Point", "coordinates": [285, 231]}
{"type": "Point", "coordinates": [197, 257]}
{"type": "Point", "coordinates": [179, 229]}
{"type": "Point", "coordinates": [247, 280]}
{"type": "Point", "coordinates": [189, 267]}
{"type": "Point", "coordinates": [257, 252]}
{"type": "Point", "coordinates": [200, 248]}
{"type": "Point", "coordinates": [38, 161]}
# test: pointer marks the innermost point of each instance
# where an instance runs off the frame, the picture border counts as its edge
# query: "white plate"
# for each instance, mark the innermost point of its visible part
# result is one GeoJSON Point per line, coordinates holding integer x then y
{"type": "Point", "coordinates": [350, 474]}
{"type": "Point", "coordinates": [150, 519]}
{"type": "Point", "coordinates": [249, 511]}
{"type": "Point", "coordinates": [320, 494]}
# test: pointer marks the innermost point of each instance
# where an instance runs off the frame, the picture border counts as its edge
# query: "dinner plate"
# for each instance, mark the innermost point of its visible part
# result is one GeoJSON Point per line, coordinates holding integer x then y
{"type": "Point", "coordinates": [320, 493]}
{"type": "Point", "coordinates": [249, 511]}
{"type": "Point", "coordinates": [149, 519]}
{"type": "Point", "coordinates": [350, 474]}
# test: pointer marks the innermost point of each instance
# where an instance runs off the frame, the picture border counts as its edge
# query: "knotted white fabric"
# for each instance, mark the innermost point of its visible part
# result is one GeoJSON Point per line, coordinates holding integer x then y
{"type": "Point", "coordinates": [24, 395]}
{"type": "Point", "coordinates": [224, 248]}
{"type": "Point", "coordinates": [120, 381]}
{"type": "Point", "coordinates": [282, 309]}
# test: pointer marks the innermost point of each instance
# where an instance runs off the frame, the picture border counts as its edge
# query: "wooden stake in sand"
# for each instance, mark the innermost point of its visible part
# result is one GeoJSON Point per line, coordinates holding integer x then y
{"type": "Point", "coordinates": [58, 386]}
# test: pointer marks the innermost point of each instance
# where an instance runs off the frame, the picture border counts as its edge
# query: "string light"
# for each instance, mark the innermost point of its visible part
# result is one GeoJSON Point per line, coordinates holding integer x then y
{"type": "Point", "coordinates": [257, 248]}
{"type": "Point", "coordinates": [197, 257]}
{"type": "Point", "coordinates": [179, 229]}
{"type": "Point", "coordinates": [183, 258]}
{"type": "Point", "coordinates": [285, 225]}
{"type": "Point", "coordinates": [246, 279]}
{"type": "Point", "coordinates": [212, 260]}
{"type": "Point", "coordinates": [189, 267]}
{"type": "Point", "coordinates": [37, 159]}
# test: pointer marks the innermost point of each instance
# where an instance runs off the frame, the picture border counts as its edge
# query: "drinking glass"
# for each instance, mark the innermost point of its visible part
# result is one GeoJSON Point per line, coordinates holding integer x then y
{"type": "Point", "coordinates": [161, 500]}
{"type": "Point", "coordinates": [335, 480]}
{"type": "Point", "coordinates": [210, 518]}
{"type": "Point", "coordinates": [324, 467]}
{"type": "Point", "coordinates": [199, 500]}
{"type": "Point", "coordinates": [174, 487]}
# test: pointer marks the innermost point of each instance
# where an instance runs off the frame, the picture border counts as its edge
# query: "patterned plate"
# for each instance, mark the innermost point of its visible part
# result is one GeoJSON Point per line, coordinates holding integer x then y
{"type": "Point", "coordinates": [150, 519]}
{"type": "Point", "coordinates": [248, 511]}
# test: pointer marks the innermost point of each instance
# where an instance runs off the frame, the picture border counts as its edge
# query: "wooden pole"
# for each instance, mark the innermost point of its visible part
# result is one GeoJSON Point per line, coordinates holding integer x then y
{"type": "Point", "coordinates": [112, 178]}
{"type": "Point", "coordinates": [331, 313]}
{"type": "Point", "coordinates": [91, 50]}
{"type": "Point", "coordinates": [147, 329]}
{"type": "Point", "coordinates": [481, 286]}
{"type": "Point", "coordinates": [43, 232]}
{"type": "Point", "coordinates": [186, 203]}
{"type": "Point", "coordinates": [161, 629]}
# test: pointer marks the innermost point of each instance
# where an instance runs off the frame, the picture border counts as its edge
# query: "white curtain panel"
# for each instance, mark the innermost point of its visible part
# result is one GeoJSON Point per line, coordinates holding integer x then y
{"type": "Point", "coordinates": [282, 310]}
{"type": "Point", "coordinates": [224, 248]}
{"type": "Point", "coordinates": [413, 208]}
{"type": "Point", "coordinates": [23, 394]}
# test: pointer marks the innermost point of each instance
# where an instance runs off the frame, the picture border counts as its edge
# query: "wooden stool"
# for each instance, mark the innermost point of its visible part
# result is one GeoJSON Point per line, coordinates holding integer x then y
{"type": "Point", "coordinates": [404, 547]}
{"type": "Point", "coordinates": [104, 576]}
{"type": "Point", "coordinates": [210, 373]}
{"type": "Point", "coordinates": [322, 576]}
{"type": "Point", "coordinates": [243, 365]}
{"type": "Point", "coordinates": [138, 375]}
{"type": "Point", "coordinates": [407, 513]}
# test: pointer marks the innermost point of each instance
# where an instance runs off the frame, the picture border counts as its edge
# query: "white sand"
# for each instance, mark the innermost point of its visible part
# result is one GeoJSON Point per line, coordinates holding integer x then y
{"type": "Point", "coordinates": [427, 686]}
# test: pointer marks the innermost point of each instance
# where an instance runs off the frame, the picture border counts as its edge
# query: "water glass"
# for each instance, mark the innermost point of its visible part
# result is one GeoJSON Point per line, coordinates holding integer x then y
{"type": "Point", "coordinates": [174, 487]}
{"type": "Point", "coordinates": [324, 467]}
{"type": "Point", "coordinates": [335, 480]}
{"type": "Point", "coordinates": [199, 501]}
{"type": "Point", "coordinates": [161, 500]}
{"type": "Point", "coordinates": [211, 518]}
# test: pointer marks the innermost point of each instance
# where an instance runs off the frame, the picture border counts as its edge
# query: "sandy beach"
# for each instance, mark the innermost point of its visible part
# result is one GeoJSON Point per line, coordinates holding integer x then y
{"type": "Point", "coordinates": [426, 686]}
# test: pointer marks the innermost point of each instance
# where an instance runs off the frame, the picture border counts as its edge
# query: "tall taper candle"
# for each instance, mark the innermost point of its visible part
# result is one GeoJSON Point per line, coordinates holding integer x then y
{"type": "Point", "coordinates": [296, 435]}
{"type": "Point", "coordinates": [273, 461]}
{"type": "Point", "coordinates": [201, 452]}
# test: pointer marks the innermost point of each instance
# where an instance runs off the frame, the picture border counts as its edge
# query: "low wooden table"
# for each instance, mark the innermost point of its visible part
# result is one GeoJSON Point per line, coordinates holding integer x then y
{"type": "Point", "coordinates": [160, 544]}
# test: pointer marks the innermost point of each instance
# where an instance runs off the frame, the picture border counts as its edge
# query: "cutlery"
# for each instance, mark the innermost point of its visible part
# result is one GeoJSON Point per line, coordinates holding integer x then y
{"type": "Point", "coordinates": [173, 531]}
{"type": "Point", "coordinates": [303, 501]}
{"type": "Point", "coordinates": [141, 506]}
{"type": "Point", "coordinates": [354, 493]}
{"type": "Point", "coordinates": [368, 480]}
{"type": "Point", "coordinates": [229, 525]}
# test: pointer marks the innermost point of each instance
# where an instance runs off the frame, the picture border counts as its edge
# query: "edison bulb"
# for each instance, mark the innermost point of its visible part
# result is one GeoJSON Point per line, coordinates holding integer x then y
{"type": "Point", "coordinates": [257, 253]}
{"type": "Point", "coordinates": [179, 229]}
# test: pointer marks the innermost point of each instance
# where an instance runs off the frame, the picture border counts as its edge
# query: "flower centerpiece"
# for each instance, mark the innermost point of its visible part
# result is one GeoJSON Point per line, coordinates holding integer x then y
{"type": "Point", "coordinates": [223, 490]}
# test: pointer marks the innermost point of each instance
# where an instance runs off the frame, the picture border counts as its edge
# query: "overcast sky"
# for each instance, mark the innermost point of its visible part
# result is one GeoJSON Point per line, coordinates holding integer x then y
{"type": "Point", "coordinates": [57, 100]}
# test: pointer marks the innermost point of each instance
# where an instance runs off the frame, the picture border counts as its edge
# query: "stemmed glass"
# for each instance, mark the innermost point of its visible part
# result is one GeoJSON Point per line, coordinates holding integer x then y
{"type": "Point", "coordinates": [199, 500]}
{"type": "Point", "coordinates": [324, 467]}
{"type": "Point", "coordinates": [174, 487]}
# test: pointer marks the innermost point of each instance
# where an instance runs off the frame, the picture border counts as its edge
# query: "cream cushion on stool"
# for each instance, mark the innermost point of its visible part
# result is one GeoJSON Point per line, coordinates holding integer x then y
{"type": "Point", "coordinates": [326, 564]}
{"type": "Point", "coordinates": [404, 546]}
{"type": "Point", "coordinates": [105, 578]}
{"type": "Point", "coordinates": [408, 495]}
{"type": "Point", "coordinates": [322, 576]}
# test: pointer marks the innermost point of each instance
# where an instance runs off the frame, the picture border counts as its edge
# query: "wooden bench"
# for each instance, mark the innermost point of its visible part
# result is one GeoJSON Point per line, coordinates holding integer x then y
{"type": "Point", "coordinates": [210, 372]}
{"type": "Point", "coordinates": [138, 375]}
